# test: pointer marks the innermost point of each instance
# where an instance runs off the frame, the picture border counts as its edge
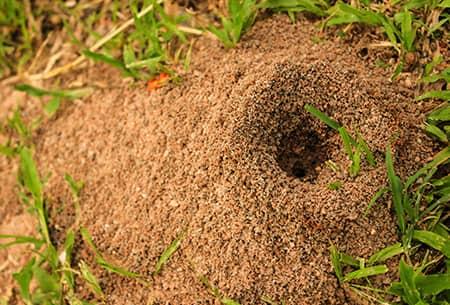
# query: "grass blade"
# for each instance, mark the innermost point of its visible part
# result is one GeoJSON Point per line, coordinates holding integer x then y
{"type": "Point", "coordinates": [68, 93]}
{"type": "Point", "coordinates": [346, 141]}
{"type": "Point", "coordinates": [356, 162]}
{"type": "Point", "coordinates": [439, 94]}
{"type": "Point", "coordinates": [433, 240]}
{"type": "Point", "coordinates": [111, 61]}
{"type": "Point", "coordinates": [396, 189]}
{"type": "Point", "coordinates": [30, 175]}
{"type": "Point", "coordinates": [375, 198]}
{"type": "Point", "coordinates": [408, 281]}
{"type": "Point", "coordinates": [90, 279]}
{"type": "Point", "coordinates": [322, 116]}
{"type": "Point", "coordinates": [228, 301]}
{"type": "Point", "coordinates": [101, 260]}
{"type": "Point", "coordinates": [433, 284]}
{"type": "Point", "coordinates": [18, 239]}
{"type": "Point", "coordinates": [365, 272]}
{"type": "Point", "coordinates": [168, 252]}
{"type": "Point", "coordinates": [336, 262]}
{"type": "Point", "coordinates": [33, 184]}
{"type": "Point", "coordinates": [386, 253]}
{"type": "Point", "coordinates": [365, 148]}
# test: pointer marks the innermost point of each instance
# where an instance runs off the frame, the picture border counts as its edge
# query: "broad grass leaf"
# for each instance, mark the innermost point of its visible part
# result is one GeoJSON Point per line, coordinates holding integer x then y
{"type": "Point", "coordinates": [436, 132]}
{"type": "Point", "coordinates": [23, 278]}
{"type": "Point", "coordinates": [439, 94]}
{"type": "Point", "coordinates": [18, 239]}
{"type": "Point", "coordinates": [441, 114]}
{"type": "Point", "coordinates": [433, 284]}
{"type": "Point", "coordinates": [408, 281]}
{"type": "Point", "coordinates": [30, 175]}
{"type": "Point", "coordinates": [386, 253]}
{"type": "Point", "coordinates": [48, 282]}
{"type": "Point", "coordinates": [52, 106]}
{"type": "Point", "coordinates": [365, 272]}
{"type": "Point", "coordinates": [433, 240]}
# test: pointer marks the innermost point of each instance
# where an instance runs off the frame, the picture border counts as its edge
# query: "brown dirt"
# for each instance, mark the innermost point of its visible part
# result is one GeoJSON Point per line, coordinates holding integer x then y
{"type": "Point", "coordinates": [230, 156]}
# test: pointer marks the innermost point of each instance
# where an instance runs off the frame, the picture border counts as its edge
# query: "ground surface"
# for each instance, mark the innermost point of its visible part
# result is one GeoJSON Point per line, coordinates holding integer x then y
{"type": "Point", "coordinates": [230, 157]}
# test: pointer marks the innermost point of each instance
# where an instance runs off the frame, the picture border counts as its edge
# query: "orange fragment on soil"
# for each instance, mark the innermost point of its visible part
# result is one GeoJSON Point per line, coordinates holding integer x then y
{"type": "Point", "coordinates": [158, 81]}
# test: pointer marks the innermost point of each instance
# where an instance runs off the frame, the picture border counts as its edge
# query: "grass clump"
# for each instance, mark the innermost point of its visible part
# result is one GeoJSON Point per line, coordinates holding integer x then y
{"type": "Point", "coordinates": [421, 206]}
{"type": "Point", "coordinates": [316, 7]}
{"type": "Point", "coordinates": [52, 269]}
{"type": "Point", "coordinates": [241, 15]}
{"type": "Point", "coordinates": [49, 268]}
{"type": "Point", "coordinates": [152, 48]}
{"type": "Point", "coordinates": [16, 36]}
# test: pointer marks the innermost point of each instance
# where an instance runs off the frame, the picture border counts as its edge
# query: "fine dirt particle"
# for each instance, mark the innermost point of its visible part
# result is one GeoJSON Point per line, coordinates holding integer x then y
{"type": "Point", "coordinates": [231, 156]}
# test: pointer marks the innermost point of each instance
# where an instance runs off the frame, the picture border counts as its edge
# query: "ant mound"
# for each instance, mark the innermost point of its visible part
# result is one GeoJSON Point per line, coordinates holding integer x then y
{"type": "Point", "coordinates": [232, 161]}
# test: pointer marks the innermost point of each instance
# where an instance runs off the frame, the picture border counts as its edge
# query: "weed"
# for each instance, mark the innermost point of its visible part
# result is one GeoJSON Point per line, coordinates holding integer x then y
{"type": "Point", "coordinates": [242, 14]}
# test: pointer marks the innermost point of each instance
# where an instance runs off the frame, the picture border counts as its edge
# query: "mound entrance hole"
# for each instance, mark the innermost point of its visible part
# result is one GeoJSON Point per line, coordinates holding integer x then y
{"type": "Point", "coordinates": [301, 153]}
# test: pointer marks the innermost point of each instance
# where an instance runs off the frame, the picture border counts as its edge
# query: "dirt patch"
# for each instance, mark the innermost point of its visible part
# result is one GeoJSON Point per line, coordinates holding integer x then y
{"type": "Point", "coordinates": [231, 157]}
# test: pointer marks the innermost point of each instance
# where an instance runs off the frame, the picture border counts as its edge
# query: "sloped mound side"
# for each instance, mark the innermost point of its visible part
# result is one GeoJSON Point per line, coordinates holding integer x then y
{"type": "Point", "coordinates": [231, 158]}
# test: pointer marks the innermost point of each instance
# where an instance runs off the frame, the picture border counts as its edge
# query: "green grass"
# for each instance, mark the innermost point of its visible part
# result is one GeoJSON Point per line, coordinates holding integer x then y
{"type": "Point", "coordinates": [101, 259]}
{"type": "Point", "coordinates": [316, 7]}
{"type": "Point", "coordinates": [16, 38]}
{"type": "Point", "coordinates": [241, 15]}
{"type": "Point", "coordinates": [57, 95]}
{"type": "Point", "coordinates": [354, 148]}
{"type": "Point", "coordinates": [420, 203]}
{"type": "Point", "coordinates": [155, 45]}
{"type": "Point", "coordinates": [223, 299]}
{"type": "Point", "coordinates": [49, 268]}
{"type": "Point", "coordinates": [52, 269]}
{"type": "Point", "coordinates": [167, 254]}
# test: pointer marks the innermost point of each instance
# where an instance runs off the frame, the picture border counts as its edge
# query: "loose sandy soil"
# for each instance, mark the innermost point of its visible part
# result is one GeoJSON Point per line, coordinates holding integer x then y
{"type": "Point", "coordinates": [230, 157]}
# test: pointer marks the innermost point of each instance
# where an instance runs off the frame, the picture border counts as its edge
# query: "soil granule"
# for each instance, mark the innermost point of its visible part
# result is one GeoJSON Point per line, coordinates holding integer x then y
{"type": "Point", "coordinates": [230, 157]}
